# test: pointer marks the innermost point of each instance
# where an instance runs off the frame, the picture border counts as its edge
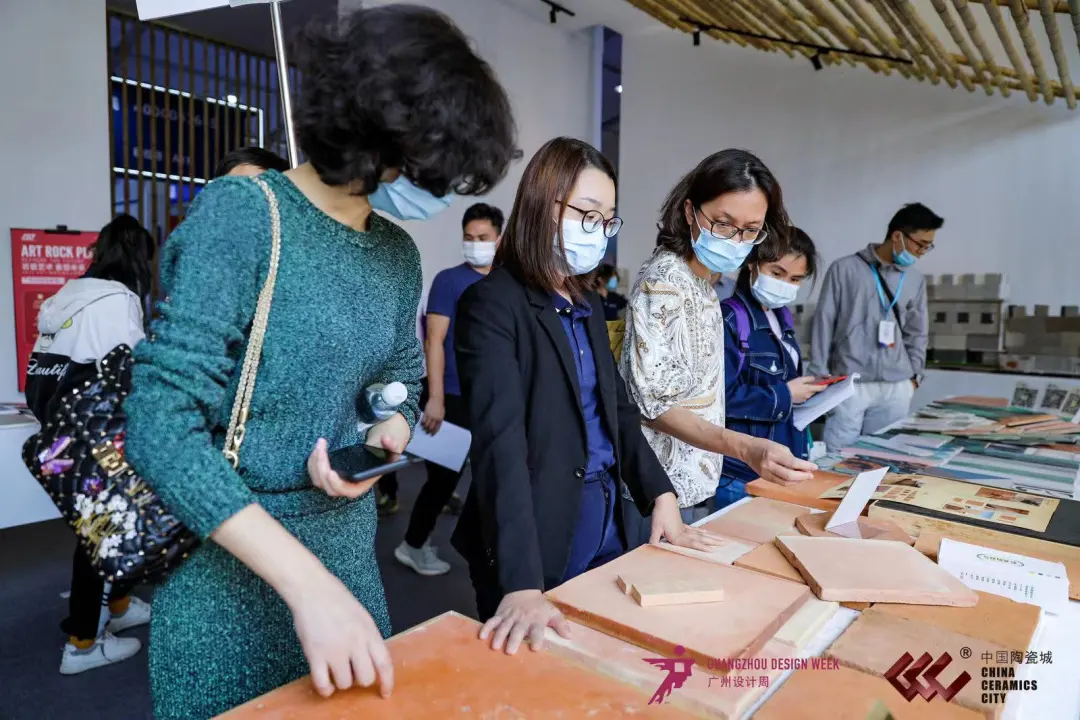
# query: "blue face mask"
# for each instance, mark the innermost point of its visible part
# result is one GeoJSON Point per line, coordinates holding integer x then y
{"type": "Point", "coordinates": [773, 293]}
{"type": "Point", "coordinates": [613, 283]}
{"type": "Point", "coordinates": [904, 258]}
{"type": "Point", "coordinates": [719, 254]}
{"type": "Point", "coordinates": [584, 250]}
{"type": "Point", "coordinates": [406, 201]}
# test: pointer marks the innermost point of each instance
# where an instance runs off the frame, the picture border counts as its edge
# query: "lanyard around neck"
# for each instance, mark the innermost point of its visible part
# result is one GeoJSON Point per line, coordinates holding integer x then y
{"type": "Point", "coordinates": [885, 304]}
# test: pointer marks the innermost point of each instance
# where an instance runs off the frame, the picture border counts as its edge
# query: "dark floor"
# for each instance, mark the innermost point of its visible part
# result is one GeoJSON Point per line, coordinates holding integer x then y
{"type": "Point", "coordinates": [35, 567]}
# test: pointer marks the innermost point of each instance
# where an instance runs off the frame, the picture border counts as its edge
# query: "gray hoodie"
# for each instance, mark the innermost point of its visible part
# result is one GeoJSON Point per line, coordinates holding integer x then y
{"type": "Point", "coordinates": [845, 328]}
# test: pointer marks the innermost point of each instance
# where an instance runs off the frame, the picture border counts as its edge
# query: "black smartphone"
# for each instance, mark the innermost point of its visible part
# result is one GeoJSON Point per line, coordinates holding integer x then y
{"type": "Point", "coordinates": [357, 463]}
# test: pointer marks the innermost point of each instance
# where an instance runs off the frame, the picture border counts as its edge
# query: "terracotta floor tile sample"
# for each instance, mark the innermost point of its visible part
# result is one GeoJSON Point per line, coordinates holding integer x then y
{"type": "Point", "coordinates": [806, 622]}
{"type": "Point", "coordinates": [768, 559]}
{"type": "Point", "coordinates": [995, 619]}
{"type": "Point", "coordinates": [725, 554]}
{"type": "Point", "coordinates": [874, 642]}
{"type": "Point", "coordinates": [847, 694]}
{"type": "Point", "coordinates": [873, 571]}
{"type": "Point", "coordinates": [807, 494]}
{"type": "Point", "coordinates": [929, 542]}
{"type": "Point", "coordinates": [442, 670]}
{"type": "Point", "coordinates": [702, 693]}
{"type": "Point", "coordinates": [813, 524]}
{"type": "Point", "coordinates": [758, 521]}
{"type": "Point", "coordinates": [754, 608]}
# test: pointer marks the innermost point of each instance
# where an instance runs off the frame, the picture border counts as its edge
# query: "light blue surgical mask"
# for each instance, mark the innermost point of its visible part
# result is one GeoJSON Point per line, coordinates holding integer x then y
{"type": "Point", "coordinates": [613, 283]}
{"type": "Point", "coordinates": [584, 250]}
{"type": "Point", "coordinates": [904, 258]}
{"type": "Point", "coordinates": [719, 254]}
{"type": "Point", "coordinates": [773, 293]}
{"type": "Point", "coordinates": [406, 201]}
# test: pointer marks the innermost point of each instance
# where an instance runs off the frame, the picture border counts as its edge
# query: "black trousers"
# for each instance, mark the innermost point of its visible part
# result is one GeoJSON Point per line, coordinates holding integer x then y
{"type": "Point", "coordinates": [88, 599]}
{"type": "Point", "coordinates": [440, 483]}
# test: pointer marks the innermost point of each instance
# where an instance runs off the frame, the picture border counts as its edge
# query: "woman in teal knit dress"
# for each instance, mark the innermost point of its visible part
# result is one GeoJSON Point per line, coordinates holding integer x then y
{"type": "Point", "coordinates": [397, 114]}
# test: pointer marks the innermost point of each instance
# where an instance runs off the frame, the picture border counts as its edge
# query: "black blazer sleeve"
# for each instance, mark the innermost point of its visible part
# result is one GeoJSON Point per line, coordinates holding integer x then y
{"type": "Point", "coordinates": [485, 347]}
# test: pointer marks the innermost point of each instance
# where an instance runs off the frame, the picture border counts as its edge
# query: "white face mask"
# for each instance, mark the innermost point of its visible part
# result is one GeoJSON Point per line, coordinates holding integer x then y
{"type": "Point", "coordinates": [584, 251]}
{"type": "Point", "coordinates": [773, 293]}
{"type": "Point", "coordinates": [479, 254]}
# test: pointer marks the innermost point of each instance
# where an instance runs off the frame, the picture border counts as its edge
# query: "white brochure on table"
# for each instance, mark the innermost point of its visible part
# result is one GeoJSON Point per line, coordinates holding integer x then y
{"type": "Point", "coordinates": [823, 402]}
{"type": "Point", "coordinates": [448, 447]}
{"type": "Point", "coordinates": [1017, 577]}
{"type": "Point", "coordinates": [845, 521]}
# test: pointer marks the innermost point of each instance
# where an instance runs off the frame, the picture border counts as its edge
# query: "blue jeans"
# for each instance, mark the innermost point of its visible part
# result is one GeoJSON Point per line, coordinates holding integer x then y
{"type": "Point", "coordinates": [732, 492]}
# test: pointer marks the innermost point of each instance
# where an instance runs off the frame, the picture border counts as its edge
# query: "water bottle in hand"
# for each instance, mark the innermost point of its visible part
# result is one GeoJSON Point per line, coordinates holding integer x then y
{"type": "Point", "coordinates": [379, 402]}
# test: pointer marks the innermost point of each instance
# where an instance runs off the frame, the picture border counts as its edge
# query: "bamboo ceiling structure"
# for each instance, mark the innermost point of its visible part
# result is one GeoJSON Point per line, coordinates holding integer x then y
{"type": "Point", "coordinates": [890, 36]}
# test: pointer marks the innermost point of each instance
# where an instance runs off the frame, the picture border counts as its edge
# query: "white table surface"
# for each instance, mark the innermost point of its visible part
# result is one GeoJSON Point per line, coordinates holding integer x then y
{"type": "Point", "coordinates": [1058, 693]}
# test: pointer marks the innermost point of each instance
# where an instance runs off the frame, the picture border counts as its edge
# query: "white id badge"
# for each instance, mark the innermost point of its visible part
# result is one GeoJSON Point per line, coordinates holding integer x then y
{"type": "Point", "coordinates": [886, 333]}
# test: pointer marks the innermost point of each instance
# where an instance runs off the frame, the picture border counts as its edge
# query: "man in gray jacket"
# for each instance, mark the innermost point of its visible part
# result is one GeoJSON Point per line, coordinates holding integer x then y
{"type": "Point", "coordinates": [872, 319]}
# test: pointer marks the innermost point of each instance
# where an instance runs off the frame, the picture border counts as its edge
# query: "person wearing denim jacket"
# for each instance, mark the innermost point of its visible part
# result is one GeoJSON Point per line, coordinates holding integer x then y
{"type": "Point", "coordinates": [764, 381]}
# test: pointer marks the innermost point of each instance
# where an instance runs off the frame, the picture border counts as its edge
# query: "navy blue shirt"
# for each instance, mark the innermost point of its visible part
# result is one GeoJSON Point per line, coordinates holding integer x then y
{"type": "Point", "coordinates": [573, 317]}
{"type": "Point", "coordinates": [446, 290]}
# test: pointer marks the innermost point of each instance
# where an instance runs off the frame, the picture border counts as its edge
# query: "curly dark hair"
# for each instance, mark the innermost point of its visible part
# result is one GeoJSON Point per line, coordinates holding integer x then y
{"type": "Point", "coordinates": [727, 171]}
{"type": "Point", "coordinates": [399, 87]}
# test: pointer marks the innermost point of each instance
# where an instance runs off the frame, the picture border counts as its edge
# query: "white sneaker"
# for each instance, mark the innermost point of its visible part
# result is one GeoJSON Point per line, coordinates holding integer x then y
{"type": "Point", "coordinates": [137, 613]}
{"type": "Point", "coordinates": [423, 560]}
{"type": "Point", "coordinates": [108, 649]}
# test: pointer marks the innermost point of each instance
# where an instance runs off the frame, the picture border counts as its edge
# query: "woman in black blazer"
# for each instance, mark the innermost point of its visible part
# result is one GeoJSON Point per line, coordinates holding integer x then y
{"type": "Point", "coordinates": [554, 435]}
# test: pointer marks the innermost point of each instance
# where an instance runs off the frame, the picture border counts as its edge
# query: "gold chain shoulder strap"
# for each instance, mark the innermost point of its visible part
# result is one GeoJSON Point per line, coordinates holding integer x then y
{"type": "Point", "coordinates": [242, 404]}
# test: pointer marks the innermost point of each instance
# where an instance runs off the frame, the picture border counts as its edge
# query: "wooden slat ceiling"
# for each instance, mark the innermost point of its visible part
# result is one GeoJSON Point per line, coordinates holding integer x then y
{"type": "Point", "coordinates": [890, 36]}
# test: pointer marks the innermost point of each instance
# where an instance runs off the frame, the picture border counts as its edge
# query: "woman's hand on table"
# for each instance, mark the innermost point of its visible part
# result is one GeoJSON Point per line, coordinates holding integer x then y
{"type": "Point", "coordinates": [340, 640]}
{"type": "Point", "coordinates": [776, 463]}
{"type": "Point", "coordinates": [667, 523]}
{"type": "Point", "coordinates": [523, 614]}
{"type": "Point", "coordinates": [391, 435]}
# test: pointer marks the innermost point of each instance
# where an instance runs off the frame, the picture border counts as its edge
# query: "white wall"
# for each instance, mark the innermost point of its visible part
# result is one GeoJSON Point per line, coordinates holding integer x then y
{"type": "Point", "coordinates": [54, 136]}
{"type": "Point", "coordinates": [850, 148]}
{"type": "Point", "coordinates": [546, 72]}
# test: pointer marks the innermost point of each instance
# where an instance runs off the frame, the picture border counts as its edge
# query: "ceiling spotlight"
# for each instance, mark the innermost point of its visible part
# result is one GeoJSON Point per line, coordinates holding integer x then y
{"type": "Point", "coordinates": [815, 60]}
{"type": "Point", "coordinates": [231, 99]}
{"type": "Point", "coordinates": [618, 89]}
{"type": "Point", "coordinates": [697, 38]}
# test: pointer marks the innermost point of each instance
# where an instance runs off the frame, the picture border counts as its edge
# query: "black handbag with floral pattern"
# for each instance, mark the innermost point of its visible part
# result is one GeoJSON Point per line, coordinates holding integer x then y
{"type": "Point", "coordinates": [78, 457]}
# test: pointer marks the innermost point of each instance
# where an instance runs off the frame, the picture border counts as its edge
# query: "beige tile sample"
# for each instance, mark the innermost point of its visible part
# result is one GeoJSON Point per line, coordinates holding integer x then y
{"type": "Point", "coordinates": [872, 571]}
{"type": "Point", "coordinates": [806, 622]}
{"type": "Point", "coordinates": [754, 607]}
{"type": "Point", "coordinates": [758, 521]}
{"type": "Point", "coordinates": [725, 554]}
{"type": "Point", "coordinates": [847, 694]}
{"type": "Point", "coordinates": [875, 642]}
{"type": "Point", "coordinates": [813, 524]}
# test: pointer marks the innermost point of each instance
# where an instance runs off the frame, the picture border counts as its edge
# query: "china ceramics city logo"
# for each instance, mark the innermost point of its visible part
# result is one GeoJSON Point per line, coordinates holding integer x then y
{"type": "Point", "coordinates": [904, 676]}
{"type": "Point", "coordinates": [678, 672]}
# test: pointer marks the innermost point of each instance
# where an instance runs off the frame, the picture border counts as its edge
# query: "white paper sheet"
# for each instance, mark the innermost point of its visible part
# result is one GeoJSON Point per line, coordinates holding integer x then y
{"type": "Point", "coordinates": [1017, 577]}
{"type": "Point", "coordinates": [845, 520]}
{"type": "Point", "coordinates": [823, 402]}
{"type": "Point", "coordinates": [448, 447]}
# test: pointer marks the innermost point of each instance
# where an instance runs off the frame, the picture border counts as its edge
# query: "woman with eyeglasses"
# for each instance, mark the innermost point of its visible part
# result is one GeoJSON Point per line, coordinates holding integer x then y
{"type": "Point", "coordinates": [673, 351]}
{"type": "Point", "coordinates": [555, 438]}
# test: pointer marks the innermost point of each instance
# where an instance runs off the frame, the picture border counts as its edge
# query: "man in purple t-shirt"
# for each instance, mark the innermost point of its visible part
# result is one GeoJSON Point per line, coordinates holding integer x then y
{"type": "Point", "coordinates": [481, 226]}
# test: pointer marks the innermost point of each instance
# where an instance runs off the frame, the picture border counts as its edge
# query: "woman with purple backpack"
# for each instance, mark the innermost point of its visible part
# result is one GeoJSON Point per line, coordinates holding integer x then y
{"type": "Point", "coordinates": [762, 359]}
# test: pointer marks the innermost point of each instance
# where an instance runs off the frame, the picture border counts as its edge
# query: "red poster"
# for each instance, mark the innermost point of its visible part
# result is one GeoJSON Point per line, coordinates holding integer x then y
{"type": "Point", "coordinates": [41, 262]}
